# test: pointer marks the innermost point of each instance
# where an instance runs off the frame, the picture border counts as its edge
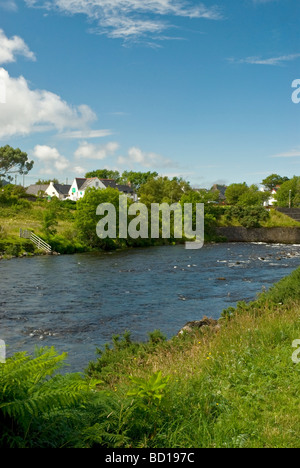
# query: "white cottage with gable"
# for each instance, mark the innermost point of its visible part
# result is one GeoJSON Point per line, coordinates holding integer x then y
{"type": "Point", "coordinates": [79, 186]}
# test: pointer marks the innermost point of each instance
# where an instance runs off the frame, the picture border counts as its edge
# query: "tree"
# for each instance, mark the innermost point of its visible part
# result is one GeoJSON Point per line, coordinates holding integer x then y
{"type": "Point", "coordinates": [289, 191]}
{"type": "Point", "coordinates": [234, 192]}
{"type": "Point", "coordinates": [273, 181]}
{"type": "Point", "coordinates": [46, 182]}
{"type": "Point", "coordinates": [163, 190]}
{"type": "Point", "coordinates": [50, 216]}
{"type": "Point", "coordinates": [87, 218]}
{"type": "Point", "coordinates": [136, 179]}
{"type": "Point", "coordinates": [13, 161]}
{"type": "Point", "coordinates": [253, 197]}
{"type": "Point", "coordinates": [104, 174]}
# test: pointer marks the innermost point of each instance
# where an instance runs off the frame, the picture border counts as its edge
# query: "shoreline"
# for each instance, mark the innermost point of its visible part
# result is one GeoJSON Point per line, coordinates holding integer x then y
{"type": "Point", "coordinates": [235, 234]}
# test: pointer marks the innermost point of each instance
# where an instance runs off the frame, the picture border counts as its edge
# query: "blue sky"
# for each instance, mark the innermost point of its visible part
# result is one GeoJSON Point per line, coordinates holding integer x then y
{"type": "Point", "coordinates": [195, 89]}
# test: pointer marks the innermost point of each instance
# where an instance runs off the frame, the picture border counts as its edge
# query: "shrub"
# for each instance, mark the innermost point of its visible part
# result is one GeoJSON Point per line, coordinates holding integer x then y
{"type": "Point", "coordinates": [248, 217]}
{"type": "Point", "coordinates": [32, 393]}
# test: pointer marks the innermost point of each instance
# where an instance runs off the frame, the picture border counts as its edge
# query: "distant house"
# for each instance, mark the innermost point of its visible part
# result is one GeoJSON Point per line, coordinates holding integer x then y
{"type": "Point", "coordinates": [60, 191]}
{"type": "Point", "coordinates": [38, 190]}
{"type": "Point", "coordinates": [128, 190]}
{"type": "Point", "coordinates": [80, 185]}
{"type": "Point", "coordinates": [221, 189]}
{"type": "Point", "coordinates": [272, 200]}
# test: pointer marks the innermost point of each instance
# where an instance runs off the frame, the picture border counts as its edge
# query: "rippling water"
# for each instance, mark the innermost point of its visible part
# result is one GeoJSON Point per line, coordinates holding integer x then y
{"type": "Point", "coordinates": [78, 302]}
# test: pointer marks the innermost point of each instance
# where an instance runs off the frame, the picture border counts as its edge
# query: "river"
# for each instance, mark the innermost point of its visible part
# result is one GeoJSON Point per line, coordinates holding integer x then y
{"type": "Point", "coordinates": [77, 302]}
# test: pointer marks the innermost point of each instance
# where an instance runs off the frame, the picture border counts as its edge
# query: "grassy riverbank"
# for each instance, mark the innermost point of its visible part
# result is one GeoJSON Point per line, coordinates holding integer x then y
{"type": "Point", "coordinates": [232, 384]}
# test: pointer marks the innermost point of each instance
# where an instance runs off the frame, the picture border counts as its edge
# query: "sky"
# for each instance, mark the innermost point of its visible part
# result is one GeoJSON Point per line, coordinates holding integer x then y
{"type": "Point", "coordinates": [194, 89]}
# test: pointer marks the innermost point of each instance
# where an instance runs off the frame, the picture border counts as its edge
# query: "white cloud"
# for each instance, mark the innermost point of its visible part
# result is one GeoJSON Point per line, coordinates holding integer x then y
{"type": "Point", "coordinates": [27, 111]}
{"type": "Point", "coordinates": [295, 153]}
{"type": "Point", "coordinates": [274, 61]}
{"type": "Point", "coordinates": [86, 134]}
{"type": "Point", "coordinates": [9, 48]}
{"type": "Point", "coordinates": [98, 152]}
{"type": "Point", "coordinates": [80, 171]}
{"type": "Point", "coordinates": [149, 160]}
{"type": "Point", "coordinates": [51, 158]}
{"type": "Point", "coordinates": [130, 19]}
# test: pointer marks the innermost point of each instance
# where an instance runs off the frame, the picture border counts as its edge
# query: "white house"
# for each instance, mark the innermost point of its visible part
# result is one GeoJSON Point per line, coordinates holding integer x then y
{"type": "Point", "coordinates": [272, 200]}
{"type": "Point", "coordinates": [58, 190]}
{"type": "Point", "coordinates": [80, 185]}
{"type": "Point", "coordinates": [51, 190]}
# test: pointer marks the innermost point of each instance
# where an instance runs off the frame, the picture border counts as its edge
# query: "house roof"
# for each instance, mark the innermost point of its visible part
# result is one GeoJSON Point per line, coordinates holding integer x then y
{"type": "Point", "coordinates": [221, 188]}
{"type": "Point", "coordinates": [80, 182]}
{"type": "Point", "coordinates": [86, 184]}
{"type": "Point", "coordinates": [109, 182]}
{"type": "Point", "coordinates": [125, 188]}
{"type": "Point", "coordinates": [35, 189]}
{"type": "Point", "coordinates": [62, 189]}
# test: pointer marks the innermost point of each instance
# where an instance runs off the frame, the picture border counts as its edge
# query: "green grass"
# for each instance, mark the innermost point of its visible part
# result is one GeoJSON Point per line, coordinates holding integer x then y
{"type": "Point", "coordinates": [276, 219]}
{"type": "Point", "coordinates": [30, 217]}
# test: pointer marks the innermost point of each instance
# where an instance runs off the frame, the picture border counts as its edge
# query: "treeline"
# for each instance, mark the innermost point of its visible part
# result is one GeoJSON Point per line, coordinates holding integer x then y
{"type": "Point", "coordinates": [285, 191]}
{"type": "Point", "coordinates": [160, 190]}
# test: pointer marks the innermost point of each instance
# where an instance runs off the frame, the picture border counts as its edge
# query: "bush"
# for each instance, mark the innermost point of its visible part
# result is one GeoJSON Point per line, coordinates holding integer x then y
{"type": "Point", "coordinates": [34, 398]}
{"type": "Point", "coordinates": [248, 217]}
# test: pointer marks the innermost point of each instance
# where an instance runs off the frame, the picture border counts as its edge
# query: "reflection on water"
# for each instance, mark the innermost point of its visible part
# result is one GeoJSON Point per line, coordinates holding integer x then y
{"type": "Point", "coordinates": [78, 302]}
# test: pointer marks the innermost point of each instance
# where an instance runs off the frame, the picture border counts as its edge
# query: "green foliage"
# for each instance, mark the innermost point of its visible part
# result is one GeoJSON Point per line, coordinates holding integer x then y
{"type": "Point", "coordinates": [46, 181]}
{"type": "Point", "coordinates": [248, 217]}
{"type": "Point", "coordinates": [14, 196]}
{"type": "Point", "coordinates": [234, 192]}
{"type": "Point", "coordinates": [273, 181]}
{"type": "Point", "coordinates": [31, 392]}
{"type": "Point", "coordinates": [137, 179]}
{"type": "Point", "coordinates": [242, 195]}
{"type": "Point", "coordinates": [150, 391]}
{"type": "Point", "coordinates": [163, 190]}
{"type": "Point", "coordinates": [87, 218]}
{"type": "Point", "coordinates": [289, 190]}
{"type": "Point", "coordinates": [13, 161]}
{"type": "Point", "coordinates": [286, 290]}
{"type": "Point", "coordinates": [104, 174]}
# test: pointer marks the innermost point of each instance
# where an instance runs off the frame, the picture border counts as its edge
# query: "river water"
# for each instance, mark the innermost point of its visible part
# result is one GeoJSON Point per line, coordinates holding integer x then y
{"type": "Point", "coordinates": [77, 302]}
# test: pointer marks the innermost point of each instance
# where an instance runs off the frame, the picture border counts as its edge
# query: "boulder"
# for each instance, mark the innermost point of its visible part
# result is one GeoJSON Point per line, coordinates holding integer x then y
{"type": "Point", "coordinates": [190, 327]}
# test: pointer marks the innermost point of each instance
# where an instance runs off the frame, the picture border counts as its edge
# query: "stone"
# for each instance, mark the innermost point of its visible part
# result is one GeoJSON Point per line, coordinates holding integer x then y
{"type": "Point", "coordinates": [190, 327]}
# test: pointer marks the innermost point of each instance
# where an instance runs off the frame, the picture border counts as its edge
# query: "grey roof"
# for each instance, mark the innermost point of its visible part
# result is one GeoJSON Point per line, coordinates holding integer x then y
{"type": "Point", "coordinates": [80, 182]}
{"type": "Point", "coordinates": [62, 189]}
{"type": "Point", "coordinates": [109, 182]}
{"type": "Point", "coordinates": [35, 189]}
{"type": "Point", "coordinates": [86, 184]}
{"type": "Point", "coordinates": [221, 188]}
{"type": "Point", "coordinates": [83, 184]}
{"type": "Point", "coordinates": [125, 188]}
